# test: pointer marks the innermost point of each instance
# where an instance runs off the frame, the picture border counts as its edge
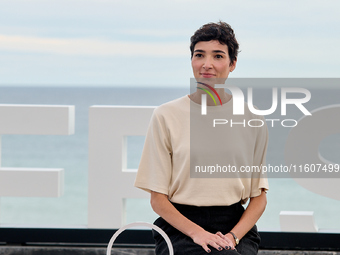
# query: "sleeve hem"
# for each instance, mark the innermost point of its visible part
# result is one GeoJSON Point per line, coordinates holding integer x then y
{"type": "Point", "coordinates": [258, 192]}
{"type": "Point", "coordinates": [148, 188]}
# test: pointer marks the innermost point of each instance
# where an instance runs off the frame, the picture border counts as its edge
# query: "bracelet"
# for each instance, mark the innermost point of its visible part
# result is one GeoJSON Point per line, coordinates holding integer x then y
{"type": "Point", "coordinates": [235, 238]}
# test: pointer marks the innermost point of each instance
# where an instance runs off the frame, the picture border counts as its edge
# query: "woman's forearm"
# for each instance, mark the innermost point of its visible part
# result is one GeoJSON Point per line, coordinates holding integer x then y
{"type": "Point", "coordinates": [162, 206]}
{"type": "Point", "coordinates": [250, 216]}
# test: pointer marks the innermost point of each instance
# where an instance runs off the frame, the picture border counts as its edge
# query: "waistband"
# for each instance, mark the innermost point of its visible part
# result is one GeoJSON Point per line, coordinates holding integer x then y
{"type": "Point", "coordinates": [234, 208]}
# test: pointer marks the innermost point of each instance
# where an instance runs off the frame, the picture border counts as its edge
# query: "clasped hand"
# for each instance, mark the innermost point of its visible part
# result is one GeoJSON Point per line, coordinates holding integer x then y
{"type": "Point", "coordinates": [217, 241]}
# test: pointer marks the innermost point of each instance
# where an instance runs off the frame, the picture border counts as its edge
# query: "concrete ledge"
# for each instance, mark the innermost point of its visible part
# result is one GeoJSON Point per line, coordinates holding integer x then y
{"type": "Point", "coordinates": [276, 252]}
{"type": "Point", "coordinates": [55, 250]}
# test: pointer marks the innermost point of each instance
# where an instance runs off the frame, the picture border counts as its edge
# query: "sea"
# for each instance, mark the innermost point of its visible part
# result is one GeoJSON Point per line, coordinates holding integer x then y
{"type": "Point", "coordinates": [71, 153]}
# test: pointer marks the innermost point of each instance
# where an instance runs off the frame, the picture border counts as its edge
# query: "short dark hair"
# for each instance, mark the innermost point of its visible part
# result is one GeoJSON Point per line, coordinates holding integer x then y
{"type": "Point", "coordinates": [219, 31]}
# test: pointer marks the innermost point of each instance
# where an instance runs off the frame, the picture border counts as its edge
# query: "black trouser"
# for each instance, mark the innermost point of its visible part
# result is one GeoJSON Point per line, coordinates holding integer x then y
{"type": "Point", "coordinates": [212, 219]}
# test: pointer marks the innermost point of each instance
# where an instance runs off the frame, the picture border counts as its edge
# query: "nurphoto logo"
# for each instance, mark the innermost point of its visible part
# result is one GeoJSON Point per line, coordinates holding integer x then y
{"type": "Point", "coordinates": [239, 105]}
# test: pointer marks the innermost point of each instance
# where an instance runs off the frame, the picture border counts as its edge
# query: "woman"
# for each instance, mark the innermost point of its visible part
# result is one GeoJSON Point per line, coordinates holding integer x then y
{"type": "Point", "coordinates": [204, 215]}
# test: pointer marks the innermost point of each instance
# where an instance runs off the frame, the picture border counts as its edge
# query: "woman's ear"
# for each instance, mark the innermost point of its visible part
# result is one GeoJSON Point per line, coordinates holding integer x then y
{"type": "Point", "coordinates": [233, 65]}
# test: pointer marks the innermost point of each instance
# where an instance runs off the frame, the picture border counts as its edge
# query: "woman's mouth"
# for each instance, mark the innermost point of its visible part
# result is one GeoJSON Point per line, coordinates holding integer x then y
{"type": "Point", "coordinates": [207, 75]}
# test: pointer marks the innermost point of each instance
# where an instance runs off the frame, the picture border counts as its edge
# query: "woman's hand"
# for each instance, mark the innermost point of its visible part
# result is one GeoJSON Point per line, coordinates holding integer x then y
{"type": "Point", "coordinates": [217, 241]}
{"type": "Point", "coordinates": [229, 238]}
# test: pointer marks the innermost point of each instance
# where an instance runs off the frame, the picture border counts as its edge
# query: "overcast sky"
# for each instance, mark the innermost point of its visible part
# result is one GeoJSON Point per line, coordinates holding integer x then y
{"type": "Point", "coordinates": [146, 43]}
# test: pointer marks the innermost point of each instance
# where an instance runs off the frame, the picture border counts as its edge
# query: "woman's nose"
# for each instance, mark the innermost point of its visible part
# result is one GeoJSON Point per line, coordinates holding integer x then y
{"type": "Point", "coordinates": [207, 64]}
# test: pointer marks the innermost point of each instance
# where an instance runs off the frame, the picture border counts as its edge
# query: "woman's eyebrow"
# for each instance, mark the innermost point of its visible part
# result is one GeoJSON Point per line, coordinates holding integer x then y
{"type": "Point", "coordinates": [219, 51]}
{"type": "Point", "coordinates": [214, 51]}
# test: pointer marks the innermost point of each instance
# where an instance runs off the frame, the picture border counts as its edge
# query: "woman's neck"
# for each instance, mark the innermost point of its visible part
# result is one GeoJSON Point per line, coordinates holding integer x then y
{"type": "Point", "coordinates": [197, 97]}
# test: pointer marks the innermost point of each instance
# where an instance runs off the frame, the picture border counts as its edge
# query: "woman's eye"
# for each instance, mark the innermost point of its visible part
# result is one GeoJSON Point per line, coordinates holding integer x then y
{"type": "Point", "coordinates": [198, 55]}
{"type": "Point", "coordinates": [219, 56]}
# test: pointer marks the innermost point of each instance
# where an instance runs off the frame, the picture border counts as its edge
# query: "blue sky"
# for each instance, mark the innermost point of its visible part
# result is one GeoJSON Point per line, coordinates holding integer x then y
{"type": "Point", "coordinates": [146, 43]}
